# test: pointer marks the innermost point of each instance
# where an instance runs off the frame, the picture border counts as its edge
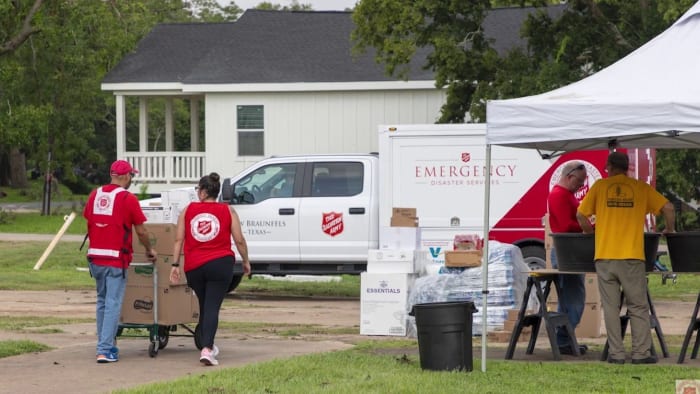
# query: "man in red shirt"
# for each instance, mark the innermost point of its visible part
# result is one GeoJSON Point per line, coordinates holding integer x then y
{"type": "Point", "coordinates": [562, 205]}
{"type": "Point", "coordinates": [111, 212]}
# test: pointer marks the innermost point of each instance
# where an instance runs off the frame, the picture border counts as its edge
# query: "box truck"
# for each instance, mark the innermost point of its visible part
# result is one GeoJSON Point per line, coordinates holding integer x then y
{"type": "Point", "coordinates": [321, 214]}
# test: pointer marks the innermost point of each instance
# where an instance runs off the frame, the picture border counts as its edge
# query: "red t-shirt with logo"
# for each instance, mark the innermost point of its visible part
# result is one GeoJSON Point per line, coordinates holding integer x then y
{"type": "Point", "coordinates": [207, 233]}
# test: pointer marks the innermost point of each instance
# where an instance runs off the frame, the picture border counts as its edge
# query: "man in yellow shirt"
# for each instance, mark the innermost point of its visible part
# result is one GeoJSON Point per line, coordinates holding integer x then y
{"type": "Point", "coordinates": [620, 205]}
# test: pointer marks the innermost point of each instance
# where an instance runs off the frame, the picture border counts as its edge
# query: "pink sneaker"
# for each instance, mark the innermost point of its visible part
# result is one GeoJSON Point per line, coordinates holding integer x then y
{"type": "Point", "coordinates": [208, 357]}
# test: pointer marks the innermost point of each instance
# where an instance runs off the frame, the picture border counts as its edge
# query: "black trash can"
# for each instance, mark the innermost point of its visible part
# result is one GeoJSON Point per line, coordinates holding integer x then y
{"type": "Point", "coordinates": [445, 335]}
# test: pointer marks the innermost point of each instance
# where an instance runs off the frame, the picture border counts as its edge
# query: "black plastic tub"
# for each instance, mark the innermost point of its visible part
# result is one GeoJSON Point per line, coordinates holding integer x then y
{"type": "Point", "coordinates": [684, 251]}
{"type": "Point", "coordinates": [576, 251]}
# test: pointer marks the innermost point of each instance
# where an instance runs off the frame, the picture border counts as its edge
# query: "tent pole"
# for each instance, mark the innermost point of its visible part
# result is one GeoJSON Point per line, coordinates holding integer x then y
{"type": "Point", "coordinates": [485, 259]}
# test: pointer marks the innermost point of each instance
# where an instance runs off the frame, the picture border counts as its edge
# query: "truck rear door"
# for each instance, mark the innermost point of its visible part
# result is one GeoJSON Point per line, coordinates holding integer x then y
{"type": "Point", "coordinates": [335, 217]}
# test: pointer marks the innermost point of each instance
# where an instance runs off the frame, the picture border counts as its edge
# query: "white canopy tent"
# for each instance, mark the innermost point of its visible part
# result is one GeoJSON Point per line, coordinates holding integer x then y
{"type": "Point", "coordinates": [648, 99]}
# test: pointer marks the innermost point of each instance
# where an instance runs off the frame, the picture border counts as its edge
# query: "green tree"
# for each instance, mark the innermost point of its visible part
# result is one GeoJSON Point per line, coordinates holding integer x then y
{"type": "Point", "coordinates": [294, 6]}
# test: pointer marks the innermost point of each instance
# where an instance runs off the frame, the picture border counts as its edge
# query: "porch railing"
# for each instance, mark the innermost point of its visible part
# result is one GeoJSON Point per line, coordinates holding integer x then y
{"type": "Point", "coordinates": [167, 167]}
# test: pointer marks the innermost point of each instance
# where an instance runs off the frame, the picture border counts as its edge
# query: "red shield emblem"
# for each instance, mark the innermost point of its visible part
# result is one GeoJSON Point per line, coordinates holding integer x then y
{"type": "Point", "coordinates": [332, 223]}
{"type": "Point", "coordinates": [204, 226]}
{"type": "Point", "coordinates": [466, 157]}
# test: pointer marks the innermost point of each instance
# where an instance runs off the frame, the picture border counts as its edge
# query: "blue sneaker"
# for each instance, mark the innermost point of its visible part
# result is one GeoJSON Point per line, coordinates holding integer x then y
{"type": "Point", "coordinates": [114, 350]}
{"type": "Point", "coordinates": [107, 358]}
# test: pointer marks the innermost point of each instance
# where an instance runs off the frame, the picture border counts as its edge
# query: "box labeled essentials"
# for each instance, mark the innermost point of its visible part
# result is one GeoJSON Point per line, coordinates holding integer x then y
{"type": "Point", "coordinates": [175, 305]}
{"type": "Point", "coordinates": [397, 238]}
{"type": "Point", "coordinates": [463, 258]}
{"type": "Point", "coordinates": [383, 303]}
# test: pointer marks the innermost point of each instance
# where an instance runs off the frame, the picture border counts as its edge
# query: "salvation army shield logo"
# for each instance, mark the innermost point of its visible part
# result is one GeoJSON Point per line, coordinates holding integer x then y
{"type": "Point", "coordinates": [466, 157]}
{"type": "Point", "coordinates": [104, 202]}
{"type": "Point", "coordinates": [332, 223]}
{"type": "Point", "coordinates": [204, 227]}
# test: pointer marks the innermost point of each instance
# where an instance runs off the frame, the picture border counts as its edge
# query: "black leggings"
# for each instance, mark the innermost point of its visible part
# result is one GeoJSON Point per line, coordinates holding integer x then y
{"type": "Point", "coordinates": [210, 283]}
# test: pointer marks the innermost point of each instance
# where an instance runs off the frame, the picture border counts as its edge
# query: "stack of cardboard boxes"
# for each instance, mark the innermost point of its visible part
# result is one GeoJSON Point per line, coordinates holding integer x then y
{"type": "Point", "coordinates": [176, 302]}
{"type": "Point", "coordinates": [591, 321]}
{"type": "Point", "coordinates": [391, 271]}
{"type": "Point", "coordinates": [503, 336]}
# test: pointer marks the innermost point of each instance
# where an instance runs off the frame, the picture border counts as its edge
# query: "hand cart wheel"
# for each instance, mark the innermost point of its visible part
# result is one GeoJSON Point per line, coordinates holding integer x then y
{"type": "Point", "coordinates": [198, 337]}
{"type": "Point", "coordinates": [152, 349]}
{"type": "Point", "coordinates": [163, 336]}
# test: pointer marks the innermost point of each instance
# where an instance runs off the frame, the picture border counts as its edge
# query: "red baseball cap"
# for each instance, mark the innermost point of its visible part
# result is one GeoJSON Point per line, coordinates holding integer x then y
{"type": "Point", "coordinates": [122, 167]}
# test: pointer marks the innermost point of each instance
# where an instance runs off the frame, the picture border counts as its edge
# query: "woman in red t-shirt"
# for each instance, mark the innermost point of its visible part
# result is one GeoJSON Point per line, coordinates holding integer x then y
{"type": "Point", "coordinates": [206, 227]}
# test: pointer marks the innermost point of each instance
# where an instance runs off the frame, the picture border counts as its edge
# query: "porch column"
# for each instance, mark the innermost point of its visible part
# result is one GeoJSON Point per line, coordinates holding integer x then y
{"type": "Point", "coordinates": [194, 125]}
{"type": "Point", "coordinates": [143, 124]}
{"type": "Point", "coordinates": [120, 110]}
{"type": "Point", "coordinates": [169, 133]}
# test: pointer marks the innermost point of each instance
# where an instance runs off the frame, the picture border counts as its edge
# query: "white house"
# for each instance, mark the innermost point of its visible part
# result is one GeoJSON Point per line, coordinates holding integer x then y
{"type": "Point", "coordinates": [271, 83]}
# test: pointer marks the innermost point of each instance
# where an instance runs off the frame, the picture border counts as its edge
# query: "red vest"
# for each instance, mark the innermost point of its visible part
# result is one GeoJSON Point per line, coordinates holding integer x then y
{"type": "Point", "coordinates": [110, 236]}
{"type": "Point", "coordinates": [207, 233]}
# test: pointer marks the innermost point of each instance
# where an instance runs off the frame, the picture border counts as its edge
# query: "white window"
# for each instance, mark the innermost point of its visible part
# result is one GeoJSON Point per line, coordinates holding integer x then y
{"type": "Point", "coordinates": [251, 130]}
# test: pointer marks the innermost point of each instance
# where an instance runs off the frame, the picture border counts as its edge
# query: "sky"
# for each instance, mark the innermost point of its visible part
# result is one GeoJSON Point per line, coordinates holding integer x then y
{"type": "Point", "coordinates": [318, 5]}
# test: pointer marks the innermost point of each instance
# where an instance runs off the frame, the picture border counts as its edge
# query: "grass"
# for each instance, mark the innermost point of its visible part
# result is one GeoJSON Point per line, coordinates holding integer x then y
{"type": "Point", "coordinates": [57, 273]}
{"type": "Point", "coordinates": [14, 348]}
{"type": "Point", "coordinates": [369, 369]}
{"type": "Point", "coordinates": [35, 192]}
{"type": "Point", "coordinates": [35, 223]}
{"type": "Point", "coordinates": [30, 323]}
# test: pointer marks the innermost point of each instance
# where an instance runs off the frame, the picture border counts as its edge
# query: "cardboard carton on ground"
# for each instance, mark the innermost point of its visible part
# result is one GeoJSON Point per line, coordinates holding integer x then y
{"type": "Point", "coordinates": [591, 321]}
{"type": "Point", "coordinates": [383, 303]}
{"type": "Point", "coordinates": [175, 305]}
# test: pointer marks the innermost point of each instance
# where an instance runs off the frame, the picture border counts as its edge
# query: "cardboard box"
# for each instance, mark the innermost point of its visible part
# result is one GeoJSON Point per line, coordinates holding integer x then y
{"type": "Point", "coordinates": [404, 217]}
{"type": "Point", "coordinates": [161, 236]}
{"type": "Point", "coordinates": [402, 221]}
{"type": "Point", "coordinates": [463, 258]}
{"type": "Point", "coordinates": [398, 238]}
{"type": "Point", "coordinates": [143, 275]}
{"type": "Point", "coordinates": [591, 321]}
{"type": "Point", "coordinates": [175, 305]}
{"type": "Point", "coordinates": [405, 212]}
{"type": "Point", "coordinates": [395, 261]}
{"type": "Point", "coordinates": [591, 286]}
{"type": "Point", "coordinates": [383, 303]}
{"type": "Point", "coordinates": [158, 214]}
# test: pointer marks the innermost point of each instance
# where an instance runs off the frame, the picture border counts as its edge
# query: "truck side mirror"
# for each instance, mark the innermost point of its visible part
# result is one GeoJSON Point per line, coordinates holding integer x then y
{"type": "Point", "coordinates": [226, 190]}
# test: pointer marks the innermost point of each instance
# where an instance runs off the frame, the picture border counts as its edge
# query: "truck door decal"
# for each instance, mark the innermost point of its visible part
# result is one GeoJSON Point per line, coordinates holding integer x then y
{"type": "Point", "coordinates": [332, 223]}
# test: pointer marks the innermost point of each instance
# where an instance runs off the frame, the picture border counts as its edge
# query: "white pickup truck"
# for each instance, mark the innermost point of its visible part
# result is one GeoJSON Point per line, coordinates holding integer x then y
{"type": "Point", "coordinates": [320, 214]}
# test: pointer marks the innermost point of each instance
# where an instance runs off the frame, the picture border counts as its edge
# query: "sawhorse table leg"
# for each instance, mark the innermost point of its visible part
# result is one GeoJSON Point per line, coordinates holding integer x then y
{"type": "Point", "coordinates": [693, 326]}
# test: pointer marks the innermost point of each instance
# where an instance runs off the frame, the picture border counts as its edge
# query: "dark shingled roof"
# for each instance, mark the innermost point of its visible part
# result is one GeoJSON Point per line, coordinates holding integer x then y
{"type": "Point", "coordinates": [279, 47]}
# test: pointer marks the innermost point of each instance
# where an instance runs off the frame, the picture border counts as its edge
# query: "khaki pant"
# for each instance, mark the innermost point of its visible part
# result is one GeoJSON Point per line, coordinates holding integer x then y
{"type": "Point", "coordinates": [628, 276]}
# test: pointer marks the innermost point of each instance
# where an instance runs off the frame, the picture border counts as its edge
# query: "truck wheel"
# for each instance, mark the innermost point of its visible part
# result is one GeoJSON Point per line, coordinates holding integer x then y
{"type": "Point", "coordinates": [534, 257]}
{"type": "Point", "coordinates": [234, 282]}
